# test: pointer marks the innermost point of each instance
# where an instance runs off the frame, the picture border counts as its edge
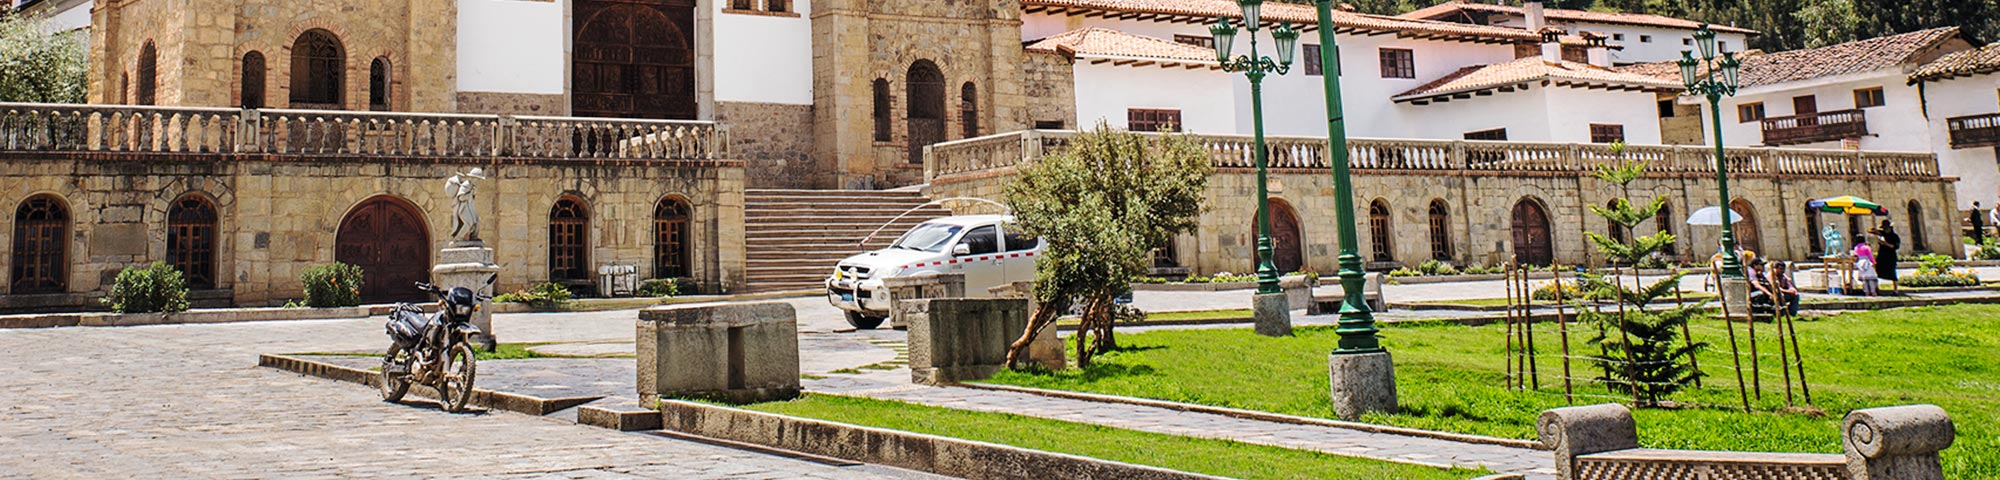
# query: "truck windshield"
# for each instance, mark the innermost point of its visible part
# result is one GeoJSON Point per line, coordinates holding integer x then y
{"type": "Point", "coordinates": [929, 237]}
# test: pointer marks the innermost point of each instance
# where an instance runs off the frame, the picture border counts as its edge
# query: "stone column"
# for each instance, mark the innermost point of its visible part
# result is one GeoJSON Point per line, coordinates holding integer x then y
{"type": "Point", "coordinates": [468, 264]}
{"type": "Point", "coordinates": [1361, 383]}
{"type": "Point", "coordinates": [1577, 431]}
{"type": "Point", "coordinates": [733, 352]}
{"type": "Point", "coordinates": [1273, 312]}
{"type": "Point", "coordinates": [1899, 443]}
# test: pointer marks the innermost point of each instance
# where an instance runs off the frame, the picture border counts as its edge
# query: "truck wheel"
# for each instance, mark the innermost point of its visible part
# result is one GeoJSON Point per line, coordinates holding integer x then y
{"type": "Point", "coordinates": [864, 322]}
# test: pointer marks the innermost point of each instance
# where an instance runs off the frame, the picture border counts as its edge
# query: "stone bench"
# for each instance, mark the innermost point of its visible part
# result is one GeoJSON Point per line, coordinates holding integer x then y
{"type": "Point", "coordinates": [1601, 442]}
{"type": "Point", "coordinates": [919, 287]}
{"type": "Point", "coordinates": [734, 353]}
{"type": "Point", "coordinates": [960, 339]}
{"type": "Point", "coordinates": [1303, 298]}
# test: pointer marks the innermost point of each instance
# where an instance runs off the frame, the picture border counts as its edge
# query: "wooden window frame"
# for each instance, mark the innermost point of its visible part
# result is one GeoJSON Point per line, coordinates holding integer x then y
{"type": "Point", "coordinates": [1314, 67]}
{"type": "Point", "coordinates": [41, 266]}
{"type": "Point", "coordinates": [1493, 135]}
{"type": "Point", "coordinates": [1382, 238]}
{"type": "Point", "coordinates": [885, 121]}
{"type": "Point", "coordinates": [569, 240]}
{"type": "Point", "coordinates": [255, 70]}
{"type": "Point", "coordinates": [1440, 220]}
{"type": "Point", "coordinates": [381, 84]}
{"type": "Point", "coordinates": [1607, 133]}
{"type": "Point", "coordinates": [1202, 41]}
{"type": "Point", "coordinates": [1398, 63]}
{"type": "Point", "coordinates": [1664, 223]}
{"type": "Point", "coordinates": [149, 75]}
{"type": "Point", "coordinates": [1870, 97]}
{"type": "Point", "coordinates": [1750, 112]}
{"type": "Point", "coordinates": [672, 245]}
{"type": "Point", "coordinates": [968, 110]}
{"type": "Point", "coordinates": [319, 70]}
{"type": "Point", "coordinates": [192, 226]}
{"type": "Point", "coordinates": [1153, 120]}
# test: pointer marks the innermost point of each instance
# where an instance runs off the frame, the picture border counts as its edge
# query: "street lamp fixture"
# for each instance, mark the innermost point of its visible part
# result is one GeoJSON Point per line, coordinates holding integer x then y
{"type": "Point", "coordinates": [1256, 66]}
{"type": "Point", "coordinates": [1700, 76]}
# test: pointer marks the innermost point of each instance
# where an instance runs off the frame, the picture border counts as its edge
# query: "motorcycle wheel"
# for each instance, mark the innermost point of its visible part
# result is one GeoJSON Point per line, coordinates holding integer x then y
{"type": "Point", "coordinates": [393, 386]}
{"type": "Point", "coordinates": [864, 322]}
{"type": "Point", "coordinates": [455, 389]}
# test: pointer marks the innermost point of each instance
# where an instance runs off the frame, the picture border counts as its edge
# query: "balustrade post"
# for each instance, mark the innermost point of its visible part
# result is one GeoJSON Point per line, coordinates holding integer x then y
{"type": "Point", "coordinates": [1031, 147]}
{"type": "Point", "coordinates": [1768, 161]}
{"type": "Point", "coordinates": [719, 143]}
{"type": "Point", "coordinates": [503, 136]}
{"type": "Point", "coordinates": [1458, 157]}
{"type": "Point", "coordinates": [250, 131]}
{"type": "Point", "coordinates": [1858, 164]}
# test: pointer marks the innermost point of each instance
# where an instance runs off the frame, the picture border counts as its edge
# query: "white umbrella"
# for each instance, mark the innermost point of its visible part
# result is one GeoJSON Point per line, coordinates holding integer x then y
{"type": "Point", "coordinates": [1712, 216]}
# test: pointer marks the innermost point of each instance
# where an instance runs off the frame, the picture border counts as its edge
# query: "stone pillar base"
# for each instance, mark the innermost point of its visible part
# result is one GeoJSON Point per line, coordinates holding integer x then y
{"type": "Point", "coordinates": [468, 264]}
{"type": "Point", "coordinates": [1736, 296]}
{"type": "Point", "coordinates": [1362, 383]}
{"type": "Point", "coordinates": [1274, 314]}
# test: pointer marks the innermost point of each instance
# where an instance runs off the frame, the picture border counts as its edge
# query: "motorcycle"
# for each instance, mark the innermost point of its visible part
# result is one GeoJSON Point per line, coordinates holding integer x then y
{"type": "Point", "coordinates": [434, 349]}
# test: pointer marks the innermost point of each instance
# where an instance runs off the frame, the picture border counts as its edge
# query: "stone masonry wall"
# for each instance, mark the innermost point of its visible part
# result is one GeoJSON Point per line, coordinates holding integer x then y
{"type": "Point", "coordinates": [776, 143]}
{"type": "Point", "coordinates": [201, 45]}
{"type": "Point", "coordinates": [1049, 82]}
{"type": "Point", "coordinates": [501, 103]}
{"type": "Point", "coordinates": [1480, 220]}
{"type": "Point", "coordinates": [278, 216]}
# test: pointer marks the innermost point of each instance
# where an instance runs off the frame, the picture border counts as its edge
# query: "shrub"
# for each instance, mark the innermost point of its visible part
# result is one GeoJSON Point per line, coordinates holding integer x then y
{"type": "Point", "coordinates": [1987, 251]}
{"type": "Point", "coordinates": [157, 288]}
{"type": "Point", "coordinates": [1547, 292]}
{"type": "Point", "coordinates": [332, 285]}
{"type": "Point", "coordinates": [659, 287]}
{"type": "Point", "coordinates": [1935, 264]}
{"type": "Point", "coordinates": [1224, 277]}
{"type": "Point", "coordinates": [547, 296]}
{"type": "Point", "coordinates": [1936, 272]}
{"type": "Point", "coordinates": [1482, 269]}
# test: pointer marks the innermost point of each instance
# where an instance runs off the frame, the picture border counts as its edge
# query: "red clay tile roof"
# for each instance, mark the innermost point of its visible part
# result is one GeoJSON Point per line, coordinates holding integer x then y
{"type": "Point", "coordinates": [1533, 69]}
{"type": "Point", "coordinates": [1346, 22]}
{"type": "Point", "coordinates": [1861, 56]}
{"type": "Point", "coordinates": [1112, 43]}
{"type": "Point", "coordinates": [1457, 9]}
{"type": "Point", "coordinates": [1964, 63]}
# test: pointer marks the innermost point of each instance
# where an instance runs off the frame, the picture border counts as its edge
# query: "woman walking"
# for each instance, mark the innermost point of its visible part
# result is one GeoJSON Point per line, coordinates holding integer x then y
{"type": "Point", "coordinates": [1885, 254]}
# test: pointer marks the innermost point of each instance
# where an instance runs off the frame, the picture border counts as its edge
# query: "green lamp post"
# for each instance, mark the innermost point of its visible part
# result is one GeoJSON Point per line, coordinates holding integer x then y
{"type": "Point", "coordinates": [1357, 322]}
{"type": "Point", "coordinates": [1256, 67]}
{"type": "Point", "coordinates": [1699, 76]}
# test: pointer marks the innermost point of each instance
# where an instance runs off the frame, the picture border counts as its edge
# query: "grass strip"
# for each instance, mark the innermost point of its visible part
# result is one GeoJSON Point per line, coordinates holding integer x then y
{"type": "Point", "coordinates": [1213, 457]}
{"type": "Point", "coordinates": [1449, 378]}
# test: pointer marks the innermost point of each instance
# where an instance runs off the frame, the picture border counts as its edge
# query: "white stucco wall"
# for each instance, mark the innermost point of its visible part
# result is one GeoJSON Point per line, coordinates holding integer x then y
{"type": "Point", "coordinates": [511, 46]}
{"type": "Point", "coordinates": [1105, 92]}
{"type": "Point", "coordinates": [1666, 44]}
{"type": "Point", "coordinates": [1898, 126]}
{"type": "Point", "coordinates": [766, 59]}
{"type": "Point", "coordinates": [1571, 111]}
{"type": "Point", "coordinates": [1541, 114]}
{"type": "Point", "coordinates": [1976, 168]}
{"type": "Point", "coordinates": [72, 17]}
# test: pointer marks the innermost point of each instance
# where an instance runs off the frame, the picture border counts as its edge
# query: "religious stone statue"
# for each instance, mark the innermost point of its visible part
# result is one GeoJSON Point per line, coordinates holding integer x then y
{"type": "Point", "coordinates": [1836, 245]}
{"type": "Point", "coordinates": [465, 216]}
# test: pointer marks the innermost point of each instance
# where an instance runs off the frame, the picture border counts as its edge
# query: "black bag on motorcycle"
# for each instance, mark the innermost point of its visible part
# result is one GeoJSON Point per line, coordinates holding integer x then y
{"type": "Point", "coordinates": [406, 325]}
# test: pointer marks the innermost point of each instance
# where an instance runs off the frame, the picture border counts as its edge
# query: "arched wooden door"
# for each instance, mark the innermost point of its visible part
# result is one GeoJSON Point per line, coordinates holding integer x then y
{"type": "Point", "coordinates": [1287, 250]}
{"type": "Point", "coordinates": [388, 240]}
{"type": "Point", "coordinates": [634, 59]}
{"type": "Point", "coordinates": [926, 108]}
{"type": "Point", "coordinates": [1532, 245]}
{"type": "Point", "coordinates": [1748, 236]}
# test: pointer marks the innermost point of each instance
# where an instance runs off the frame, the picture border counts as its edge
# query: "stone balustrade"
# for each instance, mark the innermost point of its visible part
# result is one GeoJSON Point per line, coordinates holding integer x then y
{"type": "Point", "coordinates": [1005, 150]}
{"type": "Point", "coordinates": [30, 127]}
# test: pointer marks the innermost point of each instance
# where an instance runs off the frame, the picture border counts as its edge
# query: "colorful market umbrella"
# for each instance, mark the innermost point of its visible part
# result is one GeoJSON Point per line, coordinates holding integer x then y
{"type": "Point", "coordinates": [1847, 204]}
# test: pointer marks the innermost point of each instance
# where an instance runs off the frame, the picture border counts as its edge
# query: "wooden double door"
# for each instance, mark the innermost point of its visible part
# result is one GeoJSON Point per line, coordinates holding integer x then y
{"type": "Point", "coordinates": [634, 59]}
{"type": "Point", "coordinates": [388, 240]}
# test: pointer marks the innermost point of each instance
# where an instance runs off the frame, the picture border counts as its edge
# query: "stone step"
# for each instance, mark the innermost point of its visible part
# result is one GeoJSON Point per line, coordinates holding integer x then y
{"type": "Point", "coordinates": [834, 200]}
{"type": "Point", "coordinates": [793, 238]}
{"type": "Point", "coordinates": [863, 211]}
{"type": "Point", "coordinates": [871, 223]}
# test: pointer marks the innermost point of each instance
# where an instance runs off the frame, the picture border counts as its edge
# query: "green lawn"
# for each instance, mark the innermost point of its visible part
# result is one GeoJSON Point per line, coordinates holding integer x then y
{"type": "Point", "coordinates": [1449, 378]}
{"type": "Point", "coordinates": [1214, 457]}
{"type": "Point", "coordinates": [1502, 302]}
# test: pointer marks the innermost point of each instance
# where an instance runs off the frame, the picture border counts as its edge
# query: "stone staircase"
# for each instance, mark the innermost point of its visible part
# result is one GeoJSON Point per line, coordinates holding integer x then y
{"type": "Point", "coordinates": [794, 237]}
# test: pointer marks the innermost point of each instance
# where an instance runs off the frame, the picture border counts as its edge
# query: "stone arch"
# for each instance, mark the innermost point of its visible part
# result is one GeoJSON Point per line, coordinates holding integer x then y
{"type": "Point", "coordinates": [1916, 227]}
{"type": "Point", "coordinates": [1381, 233]}
{"type": "Point", "coordinates": [1534, 242]}
{"type": "Point", "coordinates": [254, 70]}
{"type": "Point", "coordinates": [381, 85]}
{"type": "Point", "coordinates": [673, 237]}
{"type": "Point", "coordinates": [318, 70]}
{"type": "Point", "coordinates": [388, 238]}
{"type": "Point", "coordinates": [1288, 252]}
{"type": "Point", "coordinates": [884, 115]}
{"type": "Point", "coordinates": [1749, 236]}
{"type": "Point", "coordinates": [149, 75]}
{"type": "Point", "coordinates": [924, 94]}
{"type": "Point", "coordinates": [1663, 222]}
{"type": "Point", "coordinates": [968, 109]}
{"type": "Point", "coordinates": [1815, 244]}
{"type": "Point", "coordinates": [1440, 223]}
{"type": "Point", "coordinates": [193, 231]}
{"type": "Point", "coordinates": [569, 239]}
{"type": "Point", "coordinates": [39, 261]}
{"type": "Point", "coordinates": [1612, 229]}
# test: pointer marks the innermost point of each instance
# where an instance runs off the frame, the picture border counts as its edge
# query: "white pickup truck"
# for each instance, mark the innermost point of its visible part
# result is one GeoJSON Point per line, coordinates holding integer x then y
{"type": "Point", "coordinates": [985, 248]}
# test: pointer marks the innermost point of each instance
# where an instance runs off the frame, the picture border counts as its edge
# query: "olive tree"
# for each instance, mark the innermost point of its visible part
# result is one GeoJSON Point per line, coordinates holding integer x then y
{"type": "Point", "coordinates": [1101, 205]}
{"type": "Point", "coordinates": [37, 65]}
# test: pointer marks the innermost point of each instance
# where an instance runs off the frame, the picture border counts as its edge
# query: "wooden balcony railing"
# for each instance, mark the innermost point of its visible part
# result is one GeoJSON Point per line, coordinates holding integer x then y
{"type": "Point", "coordinates": [995, 152]}
{"type": "Point", "coordinates": [1815, 127]}
{"type": "Point", "coordinates": [1974, 131]}
{"type": "Point", "coordinates": [27, 127]}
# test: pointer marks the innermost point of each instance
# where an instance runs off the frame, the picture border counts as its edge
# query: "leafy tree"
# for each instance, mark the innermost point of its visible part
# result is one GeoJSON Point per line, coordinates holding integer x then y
{"type": "Point", "coordinates": [1827, 22]}
{"type": "Point", "coordinates": [37, 65]}
{"type": "Point", "coordinates": [1099, 205]}
{"type": "Point", "coordinates": [1647, 356]}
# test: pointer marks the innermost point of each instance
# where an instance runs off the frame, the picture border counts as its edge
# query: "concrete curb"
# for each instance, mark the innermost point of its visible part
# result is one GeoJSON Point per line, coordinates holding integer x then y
{"type": "Point", "coordinates": [224, 315]}
{"type": "Point", "coordinates": [1263, 416]}
{"type": "Point", "coordinates": [915, 451]}
{"type": "Point", "coordinates": [632, 303]}
{"type": "Point", "coordinates": [480, 397]}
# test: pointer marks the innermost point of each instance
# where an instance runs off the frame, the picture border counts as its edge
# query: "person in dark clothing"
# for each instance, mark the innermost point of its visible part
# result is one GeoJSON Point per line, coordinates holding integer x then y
{"type": "Point", "coordinates": [1782, 287]}
{"type": "Point", "coordinates": [1978, 219]}
{"type": "Point", "coordinates": [1885, 254]}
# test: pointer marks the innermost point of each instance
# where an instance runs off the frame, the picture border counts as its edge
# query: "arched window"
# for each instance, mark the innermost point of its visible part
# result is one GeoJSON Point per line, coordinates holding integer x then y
{"type": "Point", "coordinates": [191, 240]}
{"type": "Point", "coordinates": [883, 118]}
{"type": "Point", "coordinates": [569, 237]}
{"type": "Point", "coordinates": [1378, 230]}
{"type": "Point", "coordinates": [968, 109]}
{"type": "Point", "coordinates": [41, 246]}
{"type": "Point", "coordinates": [1440, 216]}
{"type": "Point", "coordinates": [1664, 223]}
{"type": "Point", "coordinates": [1747, 234]}
{"type": "Point", "coordinates": [149, 74]}
{"type": "Point", "coordinates": [1616, 231]}
{"type": "Point", "coordinates": [378, 84]}
{"type": "Point", "coordinates": [670, 238]}
{"type": "Point", "coordinates": [318, 70]}
{"type": "Point", "coordinates": [1916, 217]}
{"type": "Point", "coordinates": [253, 80]}
{"type": "Point", "coordinates": [926, 108]}
{"type": "Point", "coordinates": [1532, 242]}
{"type": "Point", "coordinates": [1814, 241]}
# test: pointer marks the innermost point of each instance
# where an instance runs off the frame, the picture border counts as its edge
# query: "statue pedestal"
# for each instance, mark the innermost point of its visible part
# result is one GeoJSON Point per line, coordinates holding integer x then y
{"type": "Point", "coordinates": [468, 264]}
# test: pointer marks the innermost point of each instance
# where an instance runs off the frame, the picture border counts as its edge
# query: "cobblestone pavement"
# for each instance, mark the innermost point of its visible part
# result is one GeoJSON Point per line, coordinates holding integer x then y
{"type": "Point", "coordinates": [895, 385]}
{"type": "Point", "coordinates": [189, 402]}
